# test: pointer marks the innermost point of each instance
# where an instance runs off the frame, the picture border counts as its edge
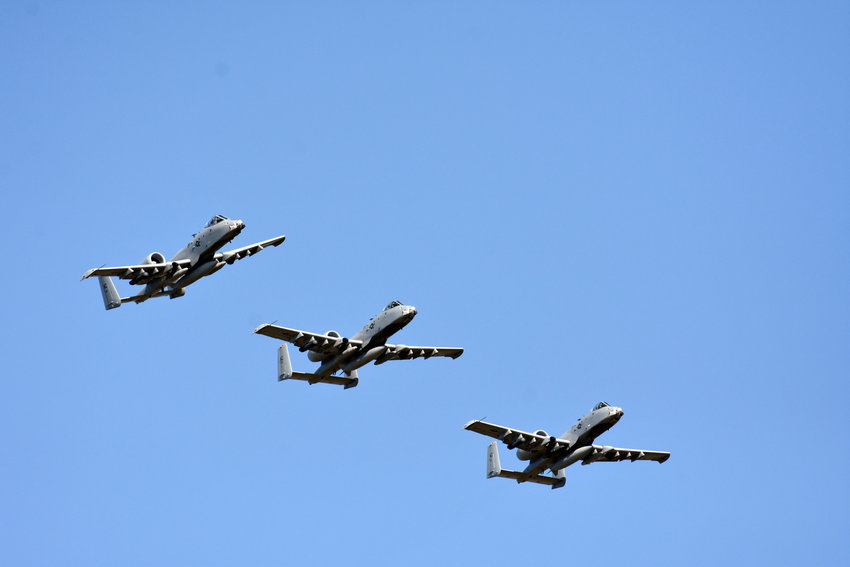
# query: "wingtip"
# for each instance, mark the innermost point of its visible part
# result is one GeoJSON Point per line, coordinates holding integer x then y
{"type": "Point", "coordinates": [89, 273]}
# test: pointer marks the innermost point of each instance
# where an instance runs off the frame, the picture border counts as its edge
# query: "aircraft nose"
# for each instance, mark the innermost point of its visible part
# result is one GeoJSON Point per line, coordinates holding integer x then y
{"type": "Point", "coordinates": [237, 223]}
{"type": "Point", "coordinates": [411, 310]}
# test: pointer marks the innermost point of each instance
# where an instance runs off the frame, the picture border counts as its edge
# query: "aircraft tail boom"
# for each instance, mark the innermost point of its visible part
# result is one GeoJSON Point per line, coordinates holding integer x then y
{"type": "Point", "coordinates": [285, 372]}
{"type": "Point", "coordinates": [494, 469]}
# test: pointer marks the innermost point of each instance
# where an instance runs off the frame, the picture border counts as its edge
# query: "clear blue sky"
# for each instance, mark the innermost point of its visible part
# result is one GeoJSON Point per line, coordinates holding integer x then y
{"type": "Point", "coordinates": [643, 204]}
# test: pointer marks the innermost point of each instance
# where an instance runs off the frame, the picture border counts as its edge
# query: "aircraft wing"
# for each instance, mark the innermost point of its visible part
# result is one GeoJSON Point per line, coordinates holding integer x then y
{"type": "Point", "coordinates": [516, 439]}
{"type": "Point", "coordinates": [305, 340]}
{"type": "Point", "coordinates": [239, 253]}
{"type": "Point", "coordinates": [605, 453]}
{"type": "Point", "coordinates": [404, 352]}
{"type": "Point", "coordinates": [140, 270]}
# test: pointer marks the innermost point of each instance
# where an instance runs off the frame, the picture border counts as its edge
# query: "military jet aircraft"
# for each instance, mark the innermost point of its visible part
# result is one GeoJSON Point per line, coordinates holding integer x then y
{"type": "Point", "coordinates": [197, 259]}
{"type": "Point", "coordinates": [341, 355]}
{"type": "Point", "coordinates": [557, 453]}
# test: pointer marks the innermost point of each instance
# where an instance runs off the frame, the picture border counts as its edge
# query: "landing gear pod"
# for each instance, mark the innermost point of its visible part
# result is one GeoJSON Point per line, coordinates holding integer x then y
{"type": "Point", "coordinates": [354, 380]}
{"type": "Point", "coordinates": [284, 365]}
{"type": "Point", "coordinates": [561, 477]}
{"type": "Point", "coordinates": [111, 299]}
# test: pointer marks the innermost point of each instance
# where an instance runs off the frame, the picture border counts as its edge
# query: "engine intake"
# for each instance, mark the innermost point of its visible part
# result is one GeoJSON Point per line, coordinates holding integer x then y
{"type": "Point", "coordinates": [153, 258]}
{"type": "Point", "coordinates": [146, 275]}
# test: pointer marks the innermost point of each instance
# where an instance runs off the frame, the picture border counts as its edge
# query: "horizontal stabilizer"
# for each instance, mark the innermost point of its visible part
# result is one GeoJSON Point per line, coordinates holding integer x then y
{"type": "Point", "coordinates": [552, 481]}
{"type": "Point", "coordinates": [346, 380]}
{"type": "Point", "coordinates": [285, 372]}
{"type": "Point", "coordinates": [112, 300]}
{"type": "Point", "coordinates": [494, 469]}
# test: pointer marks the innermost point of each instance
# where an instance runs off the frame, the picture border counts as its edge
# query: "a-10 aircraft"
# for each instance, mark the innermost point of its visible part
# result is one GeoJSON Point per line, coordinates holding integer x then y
{"type": "Point", "coordinates": [343, 356]}
{"type": "Point", "coordinates": [557, 453]}
{"type": "Point", "coordinates": [197, 259]}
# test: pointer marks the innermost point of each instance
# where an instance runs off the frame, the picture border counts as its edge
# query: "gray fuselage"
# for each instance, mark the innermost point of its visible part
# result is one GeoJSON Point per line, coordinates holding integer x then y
{"type": "Point", "coordinates": [580, 437]}
{"type": "Point", "coordinates": [592, 425]}
{"type": "Point", "coordinates": [373, 336]}
{"type": "Point", "coordinates": [200, 251]}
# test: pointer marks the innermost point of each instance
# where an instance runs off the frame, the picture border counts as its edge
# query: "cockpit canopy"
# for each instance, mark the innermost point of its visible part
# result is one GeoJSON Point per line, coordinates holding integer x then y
{"type": "Point", "coordinates": [393, 303]}
{"type": "Point", "coordinates": [600, 405]}
{"type": "Point", "coordinates": [215, 220]}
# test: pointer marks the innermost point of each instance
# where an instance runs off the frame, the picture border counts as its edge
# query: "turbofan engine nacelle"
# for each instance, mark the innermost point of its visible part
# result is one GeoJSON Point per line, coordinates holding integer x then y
{"type": "Point", "coordinates": [523, 455]}
{"type": "Point", "coordinates": [320, 356]}
{"type": "Point", "coordinates": [153, 258]}
{"type": "Point", "coordinates": [145, 276]}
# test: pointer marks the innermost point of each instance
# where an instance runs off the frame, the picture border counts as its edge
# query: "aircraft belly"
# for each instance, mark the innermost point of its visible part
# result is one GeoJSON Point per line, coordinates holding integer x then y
{"type": "Point", "coordinates": [153, 287]}
{"type": "Point", "coordinates": [388, 331]}
{"type": "Point", "coordinates": [574, 455]}
{"type": "Point", "coordinates": [380, 332]}
{"type": "Point", "coordinates": [596, 430]}
{"type": "Point", "coordinates": [219, 244]}
{"type": "Point", "coordinates": [196, 272]}
{"type": "Point", "coordinates": [363, 359]}
{"type": "Point", "coordinates": [536, 466]}
{"type": "Point", "coordinates": [333, 363]}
